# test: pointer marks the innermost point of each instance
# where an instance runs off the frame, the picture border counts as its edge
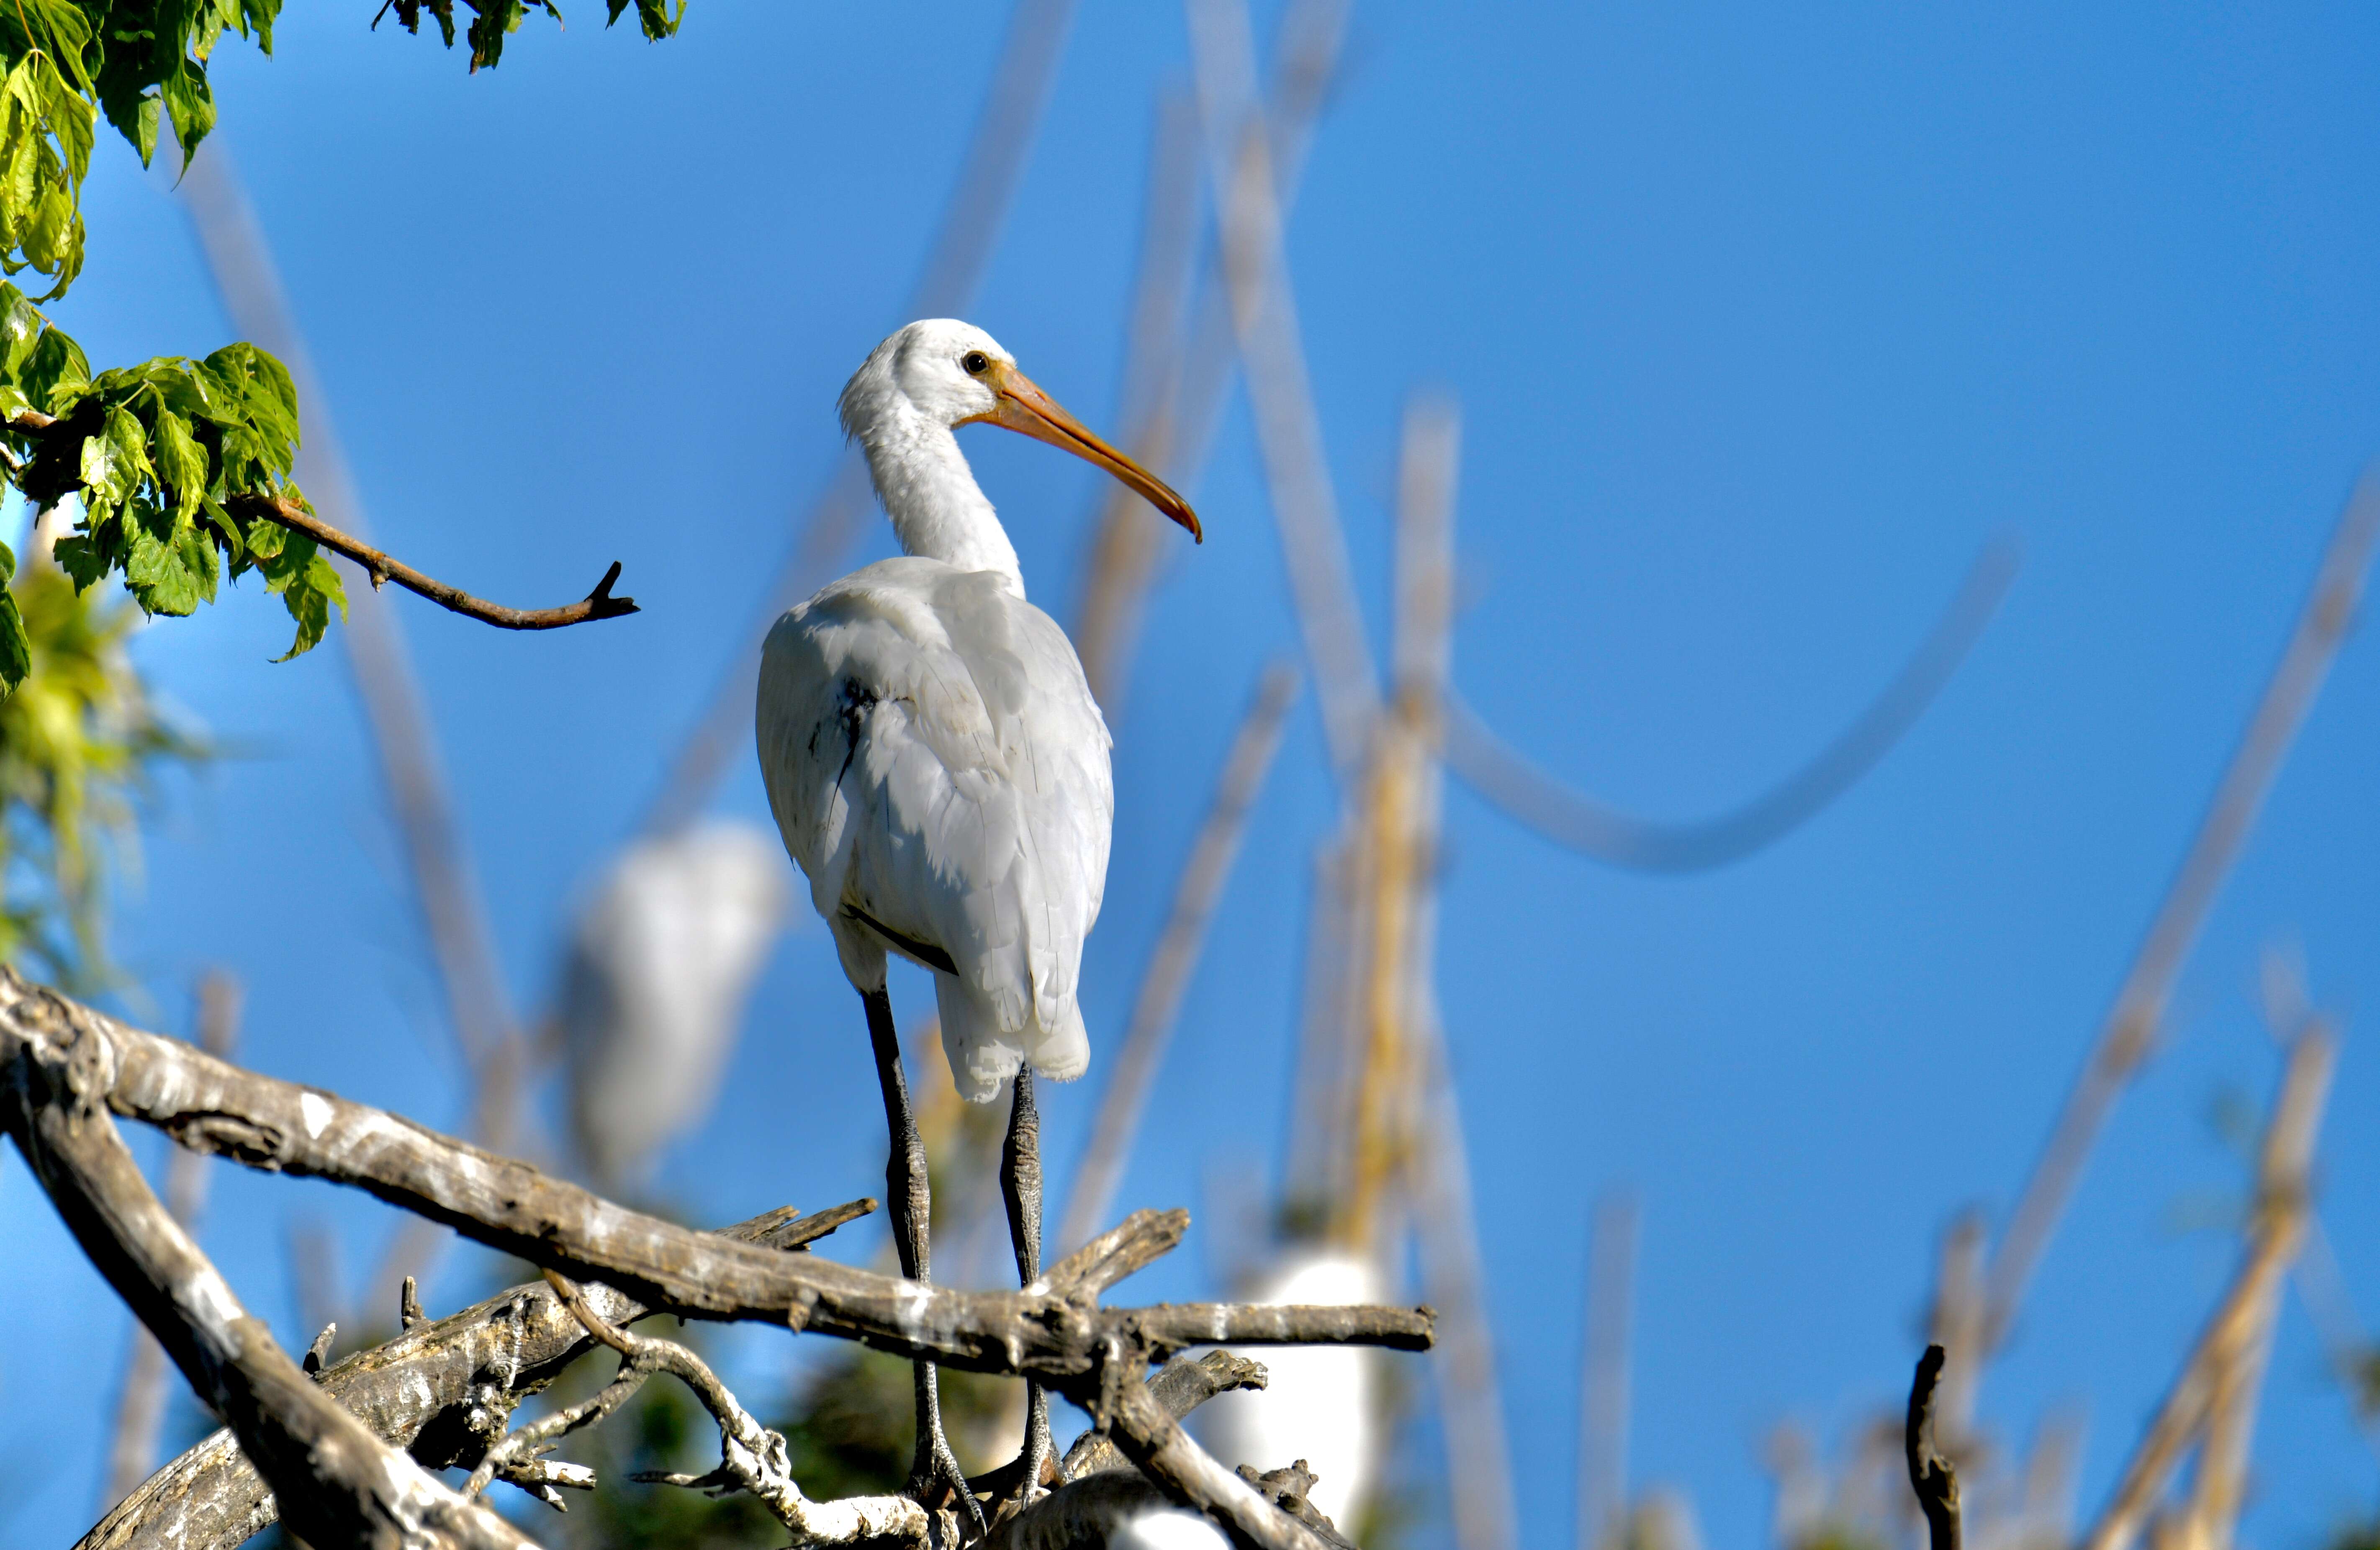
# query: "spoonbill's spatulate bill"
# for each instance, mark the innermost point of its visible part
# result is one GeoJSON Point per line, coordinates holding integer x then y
{"type": "Point", "coordinates": [938, 770]}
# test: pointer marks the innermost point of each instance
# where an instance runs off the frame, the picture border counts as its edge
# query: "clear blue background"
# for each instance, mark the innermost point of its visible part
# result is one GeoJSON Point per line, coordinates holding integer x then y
{"type": "Point", "coordinates": [1763, 319]}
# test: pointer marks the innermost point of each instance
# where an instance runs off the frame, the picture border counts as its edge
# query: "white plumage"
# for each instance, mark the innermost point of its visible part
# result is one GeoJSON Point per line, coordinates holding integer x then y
{"type": "Point", "coordinates": [933, 755]}
{"type": "Point", "coordinates": [653, 991]}
{"type": "Point", "coordinates": [939, 769]}
{"type": "Point", "coordinates": [1322, 1401]}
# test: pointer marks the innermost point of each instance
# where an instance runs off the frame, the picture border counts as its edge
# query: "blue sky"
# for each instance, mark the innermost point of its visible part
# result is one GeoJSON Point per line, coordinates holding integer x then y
{"type": "Point", "coordinates": [1761, 320]}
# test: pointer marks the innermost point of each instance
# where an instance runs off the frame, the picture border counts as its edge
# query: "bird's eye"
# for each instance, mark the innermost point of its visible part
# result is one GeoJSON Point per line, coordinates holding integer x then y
{"type": "Point", "coordinates": [976, 362]}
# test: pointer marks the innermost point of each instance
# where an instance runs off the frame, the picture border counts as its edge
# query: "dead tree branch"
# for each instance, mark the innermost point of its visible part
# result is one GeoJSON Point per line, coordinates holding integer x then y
{"type": "Point", "coordinates": [381, 568]}
{"type": "Point", "coordinates": [1146, 1433]}
{"type": "Point", "coordinates": [753, 1459]}
{"type": "Point", "coordinates": [1182, 1385]}
{"type": "Point", "coordinates": [140, 1409]}
{"type": "Point", "coordinates": [1931, 1475]}
{"type": "Point", "coordinates": [442, 1391]}
{"type": "Point", "coordinates": [343, 1485]}
{"type": "Point", "coordinates": [65, 1066]}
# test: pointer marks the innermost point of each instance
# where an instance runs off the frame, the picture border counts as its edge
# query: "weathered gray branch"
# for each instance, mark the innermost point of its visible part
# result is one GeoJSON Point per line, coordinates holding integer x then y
{"type": "Point", "coordinates": [140, 1406]}
{"type": "Point", "coordinates": [753, 1459]}
{"type": "Point", "coordinates": [442, 1391]}
{"type": "Point", "coordinates": [1059, 1336]}
{"type": "Point", "coordinates": [64, 1064]}
{"type": "Point", "coordinates": [1182, 1385]}
{"type": "Point", "coordinates": [343, 1486]}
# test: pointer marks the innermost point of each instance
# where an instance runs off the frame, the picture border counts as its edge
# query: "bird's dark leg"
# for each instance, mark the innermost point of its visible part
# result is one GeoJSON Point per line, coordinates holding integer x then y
{"type": "Point", "coordinates": [934, 1468]}
{"type": "Point", "coordinates": [1020, 1182]}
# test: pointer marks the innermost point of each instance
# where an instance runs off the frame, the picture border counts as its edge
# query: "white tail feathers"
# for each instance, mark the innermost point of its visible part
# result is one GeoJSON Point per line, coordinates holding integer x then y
{"type": "Point", "coordinates": [984, 1056]}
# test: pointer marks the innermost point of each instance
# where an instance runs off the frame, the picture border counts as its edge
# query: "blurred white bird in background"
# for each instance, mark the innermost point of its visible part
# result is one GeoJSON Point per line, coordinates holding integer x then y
{"type": "Point", "coordinates": [938, 770]}
{"type": "Point", "coordinates": [660, 967]}
{"type": "Point", "coordinates": [1322, 1402]}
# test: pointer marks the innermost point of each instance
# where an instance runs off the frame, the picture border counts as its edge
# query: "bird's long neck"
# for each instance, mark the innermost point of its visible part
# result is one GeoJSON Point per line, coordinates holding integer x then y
{"type": "Point", "coordinates": [938, 510]}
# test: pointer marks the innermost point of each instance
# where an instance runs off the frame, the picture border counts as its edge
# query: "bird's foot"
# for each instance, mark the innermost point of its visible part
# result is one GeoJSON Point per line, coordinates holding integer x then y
{"type": "Point", "coordinates": [935, 1481]}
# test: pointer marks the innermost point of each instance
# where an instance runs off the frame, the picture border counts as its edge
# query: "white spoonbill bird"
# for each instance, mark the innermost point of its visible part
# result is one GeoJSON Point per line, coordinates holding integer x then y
{"type": "Point", "coordinates": [938, 770]}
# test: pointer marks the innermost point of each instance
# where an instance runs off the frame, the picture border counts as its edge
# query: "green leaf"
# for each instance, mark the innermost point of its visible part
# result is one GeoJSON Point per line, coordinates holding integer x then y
{"type": "Point", "coordinates": [197, 550]}
{"type": "Point", "coordinates": [15, 651]}
{"type": "Point", "coordinates": [144, 133]}
{"type": "Point", "coordinates": [21, 326]}
{"type": "Point", "coordinates": [78, 556]}
{"type": "Point", "coordinates": [308, 589]}
{"type": "Point", "coordinates": [191, 102]}
{"type": "Point", "coordinates": [181, 462]}
{"type": "Point", "coordinates": [56, 371]}
{"type": "Point", "coordinates": [158, 576]}
{"type": "Point", "coordinates": [267, 542]}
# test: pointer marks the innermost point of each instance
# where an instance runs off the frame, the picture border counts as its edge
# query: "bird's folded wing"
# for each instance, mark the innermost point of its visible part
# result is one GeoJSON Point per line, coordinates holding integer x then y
{"type": "Point", "coordinates": [933, 757]}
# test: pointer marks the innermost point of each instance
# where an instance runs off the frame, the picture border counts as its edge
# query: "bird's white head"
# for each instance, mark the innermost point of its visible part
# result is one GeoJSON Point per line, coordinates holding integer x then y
{"type": "Point", "coordinates": [937, 374]}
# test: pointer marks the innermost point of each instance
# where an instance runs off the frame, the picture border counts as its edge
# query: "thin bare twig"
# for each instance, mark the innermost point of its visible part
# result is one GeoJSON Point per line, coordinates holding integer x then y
{"type": "Point", "coordinates": [1931, 1475]}
{"type": "Point", "coordinates": [1148, 1436]}
{"type": "Point", "coordinates": [1167, 979]}
{"type": "Point", "coordinates": [1181, 1385]}
{"type": "Point", "coordinates": [2129, 1031]}
{"type": "Point", "coordinates": [380, 568]}
{"type": "Point", "coordinates": [2283, 1166]}
{"type": "Point", "coordinates": [1572, 819]}
{"type": "Point", "coordinates": [140, 1409]}
{"type": "Point", "coordinates": [753, 1459]}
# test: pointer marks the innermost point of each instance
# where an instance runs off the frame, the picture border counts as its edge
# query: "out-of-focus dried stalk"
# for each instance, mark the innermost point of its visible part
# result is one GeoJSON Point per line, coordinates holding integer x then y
{"type": "Point", "coordinates": [2239, 1325]}
{"type": "Point", "coordinates": [1957, 1326]}
{"type": "Point", "coordinates": [946, 285]}
{"type": "Point", "coordinates": [1164, 983]}
{"type": "Point", "coordinates": [1446, 1235]}
{"type": "Point", "coordinates": [1317, 1166]}
{"type": "Point", "coordinates": [1289, 432]}
{"type": "Point", "coordinates": [1603, 1381]}
{"type": "Point", "coordinates": [2323, 1291]}
{"type": "Point", "coordinates": [1124, 547]}
{"type": "Point", "coordinates": [140, 1409]}
{"type": "Point", "coordinates": [1397, 823]}
{"type": "Point", "coordinates": [1175, 398]}
{"type": "Point", "coordinates": [446, 882]}
{"type": "Point", "coordinates": [2126, 1038]}
{"type": "Point", "coordinates": [1577, 821]}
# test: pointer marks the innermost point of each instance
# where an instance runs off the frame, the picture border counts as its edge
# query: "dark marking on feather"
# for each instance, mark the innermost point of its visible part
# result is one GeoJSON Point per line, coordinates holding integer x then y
{"type": "Point", "coordinates": [852, 710]}
{"type": "Point", "coordinates": [927, 953]}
